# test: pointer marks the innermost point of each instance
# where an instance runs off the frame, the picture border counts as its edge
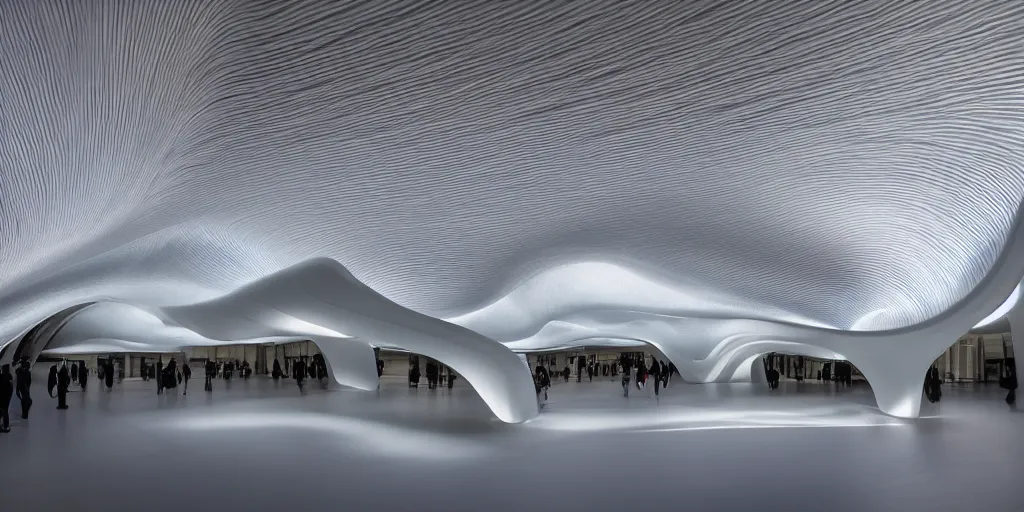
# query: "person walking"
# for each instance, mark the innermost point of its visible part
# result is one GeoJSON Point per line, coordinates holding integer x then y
{"type": "Point", "coordinates": [451, 379]}
{"type": "Point", "coordinates": [1009, 383]}
{"type": "Point", "coordinates": [63, 383]}
{"type": "Point", "coordinates": [108, 374]}
{"type": "Point", "coordinates": [159, 376]}
{"type": "Point", "coordinates": [83, 375]}
{"type": "Point", "coordinates": [23, 385]}
{"type": "Point", "coordinates": [299, 371]}
{"type": "Point", "coordinates": [276, 371]}
{"type": "Point", "coordinates": [186, 374]}
{"type": "Point", "coordinates": [626, 372]}
{"type": "Point", "coordinates": [6, 391]}
{"type": "Point", "coordinates": [211, 373]}
{"type": "Point", "coordinates": [655, 373]}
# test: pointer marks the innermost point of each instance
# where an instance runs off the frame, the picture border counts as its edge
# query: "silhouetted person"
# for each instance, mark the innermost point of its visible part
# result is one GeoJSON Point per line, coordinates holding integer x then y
{"type": "Point", "coordinates": [159, 377]}
{"type": "Point", "coordinates": [318, 368]}
{"type": "Point", "coordinates": [579, 369]}
{"type": "Point", "coordinates": [299, 370]}
{"type": "Point", "coordinates": [63, 383]}
{"type": "Point", "coordinates": [1009, 383]}
{"type": "Point", "coordinates": [170, 380]}
{"type": "Point", "coordinates": [641, 374]}
{"type": "Point", "coordinates": [83, 375]}
{"type": "Point", "coordinates": [451, 379]}
{"type": "Point", "coordinates": [655, 372]}
{"type": "Point", "coordinates": [211, 372]}
{"type": "Point", "coordinates": [566, 372]}
{"type": "Point", "coordinates": [74, 372]}
{"type": "Point", "coordinates": [431, 375]}
{"type": "Point", "coordinates": [627, 370]}
{"type": "Point", "coordinates": [108, 374]}
{"type": "Point", "coordinates": [23, 386]}
{"type": "Point", "coordinates": [145, 369]}
{"type": "Point", "coordinates": [6, 392]}
{"type": "Point", "coordinates": [544, 378]}
{"type": "Point", "coordinates": [380, 368]}
{"type": "Point", "coordinates": [186, 374]}
{"type": "Point", "coordinates": [276, 371]}
{"type": "Point", "coordinates": [51, 381]}
{"type": "Point", "coordinates": [414, 376]}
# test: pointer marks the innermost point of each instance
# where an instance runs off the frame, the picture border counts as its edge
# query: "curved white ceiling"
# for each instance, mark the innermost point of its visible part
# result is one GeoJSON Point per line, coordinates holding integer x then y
{"type": "Point", "coordinates": [854, 166]}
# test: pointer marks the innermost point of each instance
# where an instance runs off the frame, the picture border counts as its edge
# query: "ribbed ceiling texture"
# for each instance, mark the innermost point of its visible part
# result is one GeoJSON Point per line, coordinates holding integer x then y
{"type": "Point", "coordinates": [505, 165]}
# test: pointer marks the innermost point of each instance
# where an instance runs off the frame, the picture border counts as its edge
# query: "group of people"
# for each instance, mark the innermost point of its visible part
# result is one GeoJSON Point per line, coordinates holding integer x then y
{"type": "Point", "coordinates": [168, 377]}
{"type": "Point", "coordinates": [436, 374]}
{"type": "Point", "coordinates": [59, 380]}
{"type": "Point", "coordinates": [660, 371]}
{"type": "Point", "coordinates": [14, 385]}
{"type": "Point", "coordinates": [316, 369]}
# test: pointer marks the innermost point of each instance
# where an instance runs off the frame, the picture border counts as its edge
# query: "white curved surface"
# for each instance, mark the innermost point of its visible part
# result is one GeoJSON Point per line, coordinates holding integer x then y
{"type": "Point", "coordinates": [108, 327]}
{"type": "Point", "coordinates": [507, 166]}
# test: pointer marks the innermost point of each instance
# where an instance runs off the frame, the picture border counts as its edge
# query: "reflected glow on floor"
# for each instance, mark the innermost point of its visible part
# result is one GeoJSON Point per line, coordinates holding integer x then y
{"type": "Point", "coordinates": [372, 437]}
{"type": "Point", "coordinates": [681, 419]}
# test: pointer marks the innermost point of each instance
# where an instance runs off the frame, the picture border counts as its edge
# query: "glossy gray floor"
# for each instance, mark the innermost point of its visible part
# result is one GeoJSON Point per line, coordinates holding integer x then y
{"type": "Point", "coordinates": [254, 446]}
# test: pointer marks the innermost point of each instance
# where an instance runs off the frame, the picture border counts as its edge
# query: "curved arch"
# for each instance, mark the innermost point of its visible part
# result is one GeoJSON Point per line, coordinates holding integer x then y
{"type": "Point", "coordinates": [323, 293]}
{"type": "Point", "coordinates": [35, 340]}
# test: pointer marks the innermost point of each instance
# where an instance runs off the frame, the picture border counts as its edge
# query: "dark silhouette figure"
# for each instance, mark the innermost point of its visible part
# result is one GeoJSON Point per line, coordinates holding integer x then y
{"type": "Point", "coordinates": [414, 376]}
{"type": "Point", "coordinates": [566, 372]}
{"type": "Point", "coordinates": [74, 372]}
{"type": "Point", "coordinates": [1009, 383]}
{"type": "Point", "coordinates": [186, 374]}
{"type": "Point", "coordinates": [431, 375]}
{"type": "Point", "coordinates": [159, 377]}
{"type": "Point", "coordinates": [665, 374]}
{"type": "Point", "coordinates": [276, 371]}
{"type": "Point", "coordinates": [299, 370]}
{"type": "Point", "coordinates": [319, 369]}
{"type": "Point", "coordinates": [380, 368]}
{"type": "Point", "coordinates": [211, 373]}
{"type": "Point", "coordinates": [170, 378]}
{"type": "Point", "coordinates": [51, 381]}
{"type": "Point", "coordinates": [579, 369]}
{"type": "Point", "coordinates": [23, 385]}
{"type": "Point", "coordinates": [773, 378]}
{"type": "Point", "coordinates": [63, 383]}
{"type": "Point", "coordinates": [83, 375]}
{"type": "Point", "coordinates": [544, 378]}
{"type": "Point", "coordinates": [641, 374]}
{"type": "Point", "coordinates": [655, 372]}
{"type": "Point", "coordinates": [627, 370]}
{"type": "Point", "coordinates": [108, 374]}
{"type": "Point", "coordinates": [6, 392]}
{"type": "Point", "coordinates": [145, 369]}
{"type": "Point", "coordinates": [451, 379]}
{"type": "Point", "coordinates": [933, 385]}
